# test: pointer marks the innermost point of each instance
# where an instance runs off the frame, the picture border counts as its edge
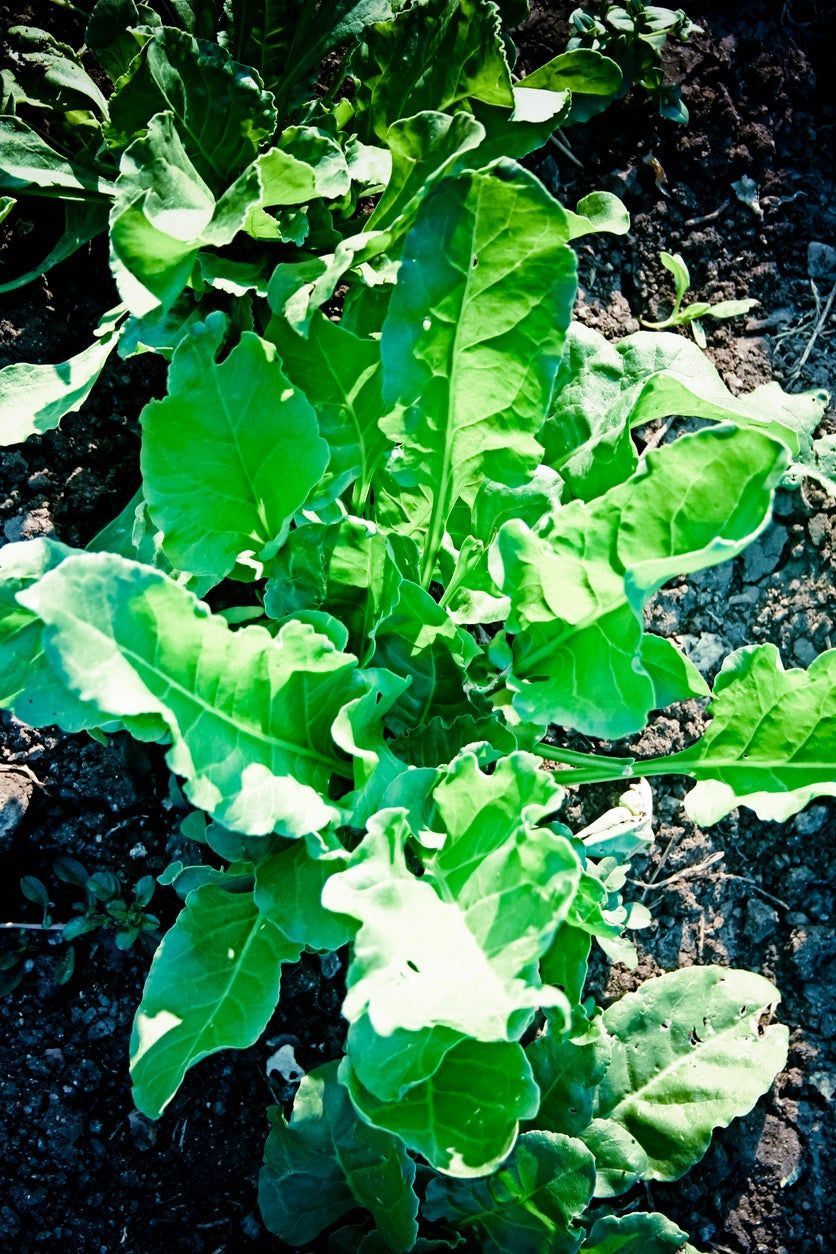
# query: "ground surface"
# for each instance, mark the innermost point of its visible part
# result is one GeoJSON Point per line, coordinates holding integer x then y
{"type": "Point", "coordinates": [84, 1171]}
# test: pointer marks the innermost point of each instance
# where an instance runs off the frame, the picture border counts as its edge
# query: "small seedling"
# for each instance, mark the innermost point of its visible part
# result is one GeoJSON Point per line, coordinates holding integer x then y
{"type": "Point", "coordinates": [690, 316]}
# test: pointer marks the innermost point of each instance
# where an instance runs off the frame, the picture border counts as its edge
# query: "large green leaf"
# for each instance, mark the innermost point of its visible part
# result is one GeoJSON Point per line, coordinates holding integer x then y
{"type": "Point", "coordinates": [771, 742]}
{"type": "Point", "coordinates": [252, 719]}
{"type": "Point", "coordinates": [47, 74]}
{"type": "Point", "coordinates": [520, 130]}
{"type": "Point", "coordinates": [567, 1073]}
{"type": "Point", "coordinates": [213, 984]}
{"type": "Point", "coordinates": [28, 164]}
{"type": "Point", "coordinates": [639, 1233]}
{"type": "Point", "coordinates": [222, 112]}
{"type": "Point", "coordinates": [530, 1205]}
{"type": "Point", "coordinates": [230, 455]}
{"type": "Point", "coordinates": [464, 1117]}
{"type": "Point", "coordinates": [326, 1162]}
{"type": "Point", "coordinates": [493, 893]}
{"type": "Point", "coordinates": [593, 79]}
{"type": "Point", "coordinates": [579, 581]}
{"type": "Point", "coordinates": [432, 55]}
{"type": "Point", "coordinates": [28, 684]}
{"type": "Point", "coordinates": [689, 1054]}
{"type": "Point", "coordinates": [605, 390]}
{"type": "Point", "coordinates": [34, 398]}
{"type": "Point", "coordinates": [472, 342]}
{"type": "Point", "coordinates": [340, 375]}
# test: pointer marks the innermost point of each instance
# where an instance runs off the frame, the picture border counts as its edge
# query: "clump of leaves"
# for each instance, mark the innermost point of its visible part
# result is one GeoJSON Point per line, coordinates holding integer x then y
{"type": "Point", "coordinates": [692, 314]}
{"type": "Point", "coordinates": [105, 907]}
{"type": "Point", "coordinates": [433, 535]}
{"type": "Point", "coordinates": [634, 35]}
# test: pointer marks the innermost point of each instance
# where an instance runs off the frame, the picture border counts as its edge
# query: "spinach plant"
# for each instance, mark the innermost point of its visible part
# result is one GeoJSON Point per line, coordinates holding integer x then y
{"type": "Point", "coordinates": [429, 534]}
{"type": "Point", "coordinates": [634, 36]}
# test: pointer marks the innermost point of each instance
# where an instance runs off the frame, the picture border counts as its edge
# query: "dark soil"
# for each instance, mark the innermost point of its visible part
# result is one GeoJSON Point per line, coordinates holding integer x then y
{"type": "Point", "coordinates": [84, 1171]}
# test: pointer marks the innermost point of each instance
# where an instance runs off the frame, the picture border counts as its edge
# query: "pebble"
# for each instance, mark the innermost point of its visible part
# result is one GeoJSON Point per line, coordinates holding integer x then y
{"type": "Point", "coordinates": [763, 556]}
{"type": "Point", "coordinates": [36, 522]}
{"type": "Point", "coordinates": [15, 794]}
{"type": "Point", "coordinates": [819, 526]}
{"type": "Point", "coordinates": [811, 820]}
{"type": "Point", "coordinates": [821, 260]}
{"type": "Point", "coordinates": [705, 650]}
{"type": "Point", "coordinates": [804, 651]}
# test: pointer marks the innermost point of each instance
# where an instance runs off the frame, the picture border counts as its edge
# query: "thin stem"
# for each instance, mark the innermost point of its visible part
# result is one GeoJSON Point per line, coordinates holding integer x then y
{"type": "Point", "coordinates": [35, 927]}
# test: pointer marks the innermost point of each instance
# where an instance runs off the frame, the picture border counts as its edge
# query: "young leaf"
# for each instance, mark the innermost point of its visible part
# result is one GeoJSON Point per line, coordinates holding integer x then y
{"type": "Point", "coordinates": [469, 356]}
{"type": "Point", "coordinates": [567, 1073]}
{"type": "Point", "coordinates": [579, 582]}
{"type": "Point", "coordinates": [325, 1162]}
{"type": "Point", "coordinates": [771, 742]}
{"type": "Point", "coordinates": [28, 164]}
{"type": "Point", "coordinates": [689, 1054]}
{"type": "Point", "coordinates": [493, 894]}
{"type": "Point", "coordinates": [230, 455]}
{"type": "Point", "coordinates": [605, 390]}
{"type": "Point", "coordinates": [340, 375]}
{"type": "Point", "coordinates": [637, 1234]}
{"type": "Point", "coordinates": [213, 984]}
{"type": "Point", "coordinates": [251, 718]}
{"type": "Point", "coordinates": [34, 399]}
{"type": "Point", "coordinates": [464, 1117]}
{"type": "Point", "coordinates": [219, 107]}
{"type": "Point", "coordinates": [530, 1205]}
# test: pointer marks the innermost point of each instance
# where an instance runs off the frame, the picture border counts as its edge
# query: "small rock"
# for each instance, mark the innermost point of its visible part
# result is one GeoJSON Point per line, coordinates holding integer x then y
{"type": "Point", "coordinates": [251, 1228]}
{"type": "Point", "coordinates": [821, 260]}
{"type": "Point", "coordinates": [819, 527]}
{"type": "Point", "coordinates": [763, 556]}
{"type": "Point", "coordinates": [144, 1131]}
{"type": "Point", "coordinates": [804, 651]}
{"type": "Point", "coordinates": [780, 1149]}
{"type": "Point", "coordinates": [810, 821]}
{"type": "Point", "coordinates": [36, 522]}
{"type": "Point", "coordinates": [15, 794]}
{"type": "Point", "coordinates": [704, 650]}
{"type": "Point", "coordinates": [761, 920]}
{"type": "Point", "coordinates": [330, 965]}
{"type": "Point", "coordinates": [138, 851]}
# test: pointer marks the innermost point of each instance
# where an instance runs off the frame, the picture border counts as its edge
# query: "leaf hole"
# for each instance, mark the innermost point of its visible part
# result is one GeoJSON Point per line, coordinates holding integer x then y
{"type": "Point", "coordinates": [694, 1037]}
{"type": "Point", "coordinates": [412, 966]}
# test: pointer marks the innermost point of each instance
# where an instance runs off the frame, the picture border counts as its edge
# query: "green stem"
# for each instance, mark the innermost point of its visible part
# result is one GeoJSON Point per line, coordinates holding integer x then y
{"type": "Point", "coordinates": [594, 768]}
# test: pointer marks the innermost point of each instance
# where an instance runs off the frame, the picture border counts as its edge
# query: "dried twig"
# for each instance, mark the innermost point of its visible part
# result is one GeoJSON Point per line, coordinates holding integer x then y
{"type": "Point", "coordinates": [685, 873]}
{"type": "Point", "coordinates": [708, 217]}
{"type": "Point", "coordinates": [818, 329]}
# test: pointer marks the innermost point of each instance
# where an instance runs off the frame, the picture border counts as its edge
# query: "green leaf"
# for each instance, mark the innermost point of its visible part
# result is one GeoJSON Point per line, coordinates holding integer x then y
{"type": "Point", "coordinates": [494, 893]}
{"type": "Point", "coordinates": [230, 455]}
{"type": "Point", "coordinates": [529, 1206]}
{"type": "Point", "coordinates": [221, 111]}
{"type": "Point", "coordinates": [423, 148]}
{"type": "Point", "coordinates": [29, 685]}
{"type": "Point", "coordinates": [346, 569]}
{"type": "Point", "coordinates": [48, 75]}
{"type": "Point", "coordinates": [469, 356]}
{"type": "Point", "coordinates": [213, 984]}
{"type": "Point", "coordinates": [432, 55]}
{"type": "Point", "coordinates": [464, 1117]}
{"type": "Point", "coordinates": [253, 720]}
{"type": "Point", "coordinates": [771, 742]}
{"type": "Point", "coordinates": [605, 390]}
{"type": "Point", "coordinates": [286, 40]}
{"type": "Point", "coordinates": [109, 35]}
{"type": "Point", "coordinates": [83, 221]}
{"type": "Point", "coordinates": [28, 164]}
{"type": "Point", "coordinates": [288, 891]}
{"type": "Point", "coordinates": [34, 398]}
{"type": "Point", "coordinates": [163, 214]}
{"type": "Point", "coordinates": [418, 640]}
{"type": "Point", "coordinates": [326, 1162]}
{"type": "Point", "coordinates": [637, 1234]}
{"type": "Point", "coordinates": [579, 582]}
{"type": "Point", "coordinates": [568, 1073]}
{"type": "Point", "coordinates": [340, 375]}
{"type": "Point", "coordinates": [535, 116]}
{"type": "Point", "coordinates": [7, 204]}
{"type": "Point", "coordinates": [689, 1054]}
{"type": "Point", "coordinates": [593, 79]}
